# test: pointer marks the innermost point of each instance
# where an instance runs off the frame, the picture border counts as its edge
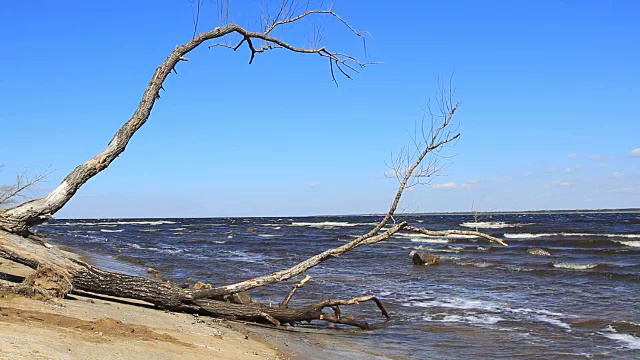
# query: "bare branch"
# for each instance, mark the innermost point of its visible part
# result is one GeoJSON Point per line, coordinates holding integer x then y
{"type": "Point", "coordinates": [298, 268]}
{"type": "Point", "coordinates": [19, 218]}
{"type": "Point", "coordinates": [9, 194]}
{"type": "Point", "coordinates": [295, 288]}
{"type": "Point", "coordinates": [424, 231]}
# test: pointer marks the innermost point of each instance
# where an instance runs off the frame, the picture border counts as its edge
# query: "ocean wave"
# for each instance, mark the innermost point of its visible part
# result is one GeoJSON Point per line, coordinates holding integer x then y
{"type": "Point", "coordinates": [430, 240]}
{"type": "Point", "coordinates": [429, 249]}
{"type": "Point", "coordinates": [329, 224]}
{"type": "Point", "coordinates": [268, 235]}
{"type": "Point", "coordinates": [456, 303]}
{"type": "Point", "coordinates": [552, 321]}
{"type": "Point", "coordinates": [539, 235]}
{"type": "Point", "coordinates": [108, 223]}
{"type": "Point", "coordinates": [492, 224]}
{"type": "Point", "coordinates": [626, 340]}
{"type": "Point", "coordinates": [480, 312]}
{"type": "Point", "coordinates": [112, 231]}
{"type": "Point", "coordinates": [480, 264]}
{"type": "Point", "coordinates": [632, 243]}
{"type": "Point", "coordinates": [243, 256]}
{"type": "Point", "coordinates": [574, 266]}
{"type": "Point", "coordinates": [477, 319]}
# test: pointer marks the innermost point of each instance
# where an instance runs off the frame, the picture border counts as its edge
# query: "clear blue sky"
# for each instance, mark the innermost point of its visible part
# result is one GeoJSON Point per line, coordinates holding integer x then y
{"type": "Point", "coordinates": [549, 116]}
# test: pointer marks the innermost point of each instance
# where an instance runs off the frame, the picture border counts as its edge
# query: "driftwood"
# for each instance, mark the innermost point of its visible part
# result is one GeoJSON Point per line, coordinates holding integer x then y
{"type": "Point", "coordinates": [58, 272]}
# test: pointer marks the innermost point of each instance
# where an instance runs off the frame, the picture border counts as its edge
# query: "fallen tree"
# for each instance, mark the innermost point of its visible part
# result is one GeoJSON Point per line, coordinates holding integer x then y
{"type": "Point", "coordinates": [58, 272]}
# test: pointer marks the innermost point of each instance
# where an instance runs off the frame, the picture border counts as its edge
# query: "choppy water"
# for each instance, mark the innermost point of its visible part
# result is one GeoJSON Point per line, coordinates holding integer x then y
{"type": "Point", "coordinates": [483, 301]}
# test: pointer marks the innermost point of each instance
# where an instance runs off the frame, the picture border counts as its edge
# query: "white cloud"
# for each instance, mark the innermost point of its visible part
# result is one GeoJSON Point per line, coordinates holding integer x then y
{"type": "Point", "coordinates": [595, 157]}
{"type": "Point", "coordinates": [568, 169]}
{"type": "Point", "coordinates": [313, 184]}
{"type": "Point", "coordinates": [572, 155]}
{"type": "Point", "coordinates": [617, 174]}
{"type": "Point", "coordinates": [603, 165]}
{"type": "Point", "coordinates": [445, 186]}
{"type": "Point", "coordinates": [550, 169]}
{"type": "Point", "coordinates": [635, 152]}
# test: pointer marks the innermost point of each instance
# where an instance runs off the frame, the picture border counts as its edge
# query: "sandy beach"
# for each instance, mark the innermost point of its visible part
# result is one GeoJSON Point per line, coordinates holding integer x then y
{"type": "Point", "coordinates": [88, 327]}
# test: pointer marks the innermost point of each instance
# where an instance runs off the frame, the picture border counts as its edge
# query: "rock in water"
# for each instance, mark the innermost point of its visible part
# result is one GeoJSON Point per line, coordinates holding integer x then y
{"type": "Point", "coordinates": [539, 252]}
{"type": "Point", "coordinates": [425, 258]}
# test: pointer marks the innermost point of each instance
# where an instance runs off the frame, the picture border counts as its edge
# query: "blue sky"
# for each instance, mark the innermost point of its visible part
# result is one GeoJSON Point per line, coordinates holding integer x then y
{"type": "Point", "coordinates": [549, 115]}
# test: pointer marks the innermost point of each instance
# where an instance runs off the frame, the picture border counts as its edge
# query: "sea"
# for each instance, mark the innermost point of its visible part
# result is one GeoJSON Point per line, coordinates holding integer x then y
{"type": "Point", "coordinates": [483, 301]}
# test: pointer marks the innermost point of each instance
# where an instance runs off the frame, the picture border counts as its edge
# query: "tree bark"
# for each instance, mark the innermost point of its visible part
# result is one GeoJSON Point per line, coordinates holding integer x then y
{"type": "Point", "coordinates": [55, 266]}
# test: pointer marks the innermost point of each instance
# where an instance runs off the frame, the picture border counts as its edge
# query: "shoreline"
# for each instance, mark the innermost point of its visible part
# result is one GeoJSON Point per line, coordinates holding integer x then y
{"type": "Point", "coordinates": [84, 326]}
{"type": "Point", "coordinates": [105, 327]}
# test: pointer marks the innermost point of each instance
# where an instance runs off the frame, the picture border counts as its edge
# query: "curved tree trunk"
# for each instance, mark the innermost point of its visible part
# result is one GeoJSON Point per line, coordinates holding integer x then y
{"type": "Point", "coordinates": [58, 271]}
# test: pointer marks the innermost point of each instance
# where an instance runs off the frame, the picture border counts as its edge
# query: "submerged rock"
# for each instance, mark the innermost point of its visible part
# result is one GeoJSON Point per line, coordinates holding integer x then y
{"type": "Point", "coordinates": [539, 252]}
{"type": "Point", "coordinates": [425, 258]}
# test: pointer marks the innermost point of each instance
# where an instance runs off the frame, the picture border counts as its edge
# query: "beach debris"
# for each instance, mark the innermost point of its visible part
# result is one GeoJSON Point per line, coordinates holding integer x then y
{"type": "Point", "coordinates": [231, 301]}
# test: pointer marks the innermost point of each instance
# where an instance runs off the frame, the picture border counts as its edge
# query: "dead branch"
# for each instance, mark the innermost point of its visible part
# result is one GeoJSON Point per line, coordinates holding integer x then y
{"type": "Point", "coordinates": [85, 277]}
{"type": "Point", "coordinates": [424, 231]}
{"type": "Point", "coordinates": [298, 269]}
{"type": "Point", "coordinates": [9, 194]}
{"type": "Point", "coordinates": [294, 288]}
{"type": "Point", "coordinates": [19, 218]}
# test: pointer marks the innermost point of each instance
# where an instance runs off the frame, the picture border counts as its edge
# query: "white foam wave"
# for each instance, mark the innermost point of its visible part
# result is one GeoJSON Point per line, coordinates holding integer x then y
{"type": "Point", "coordinates": [456, 303]}
{"type": "Point", "coordinates": [482, 319]}
{"type": "Point", "coordinates": [528, 235]}
{"type": "Point", "coordinates": [416, 237]}
{"type": "Point", "coordinates": [107, 223]}
{"type": "Point", "coordinates": [329, 224]}
{"type": "Point", "coordinates": [243, 256]}
{"type": "Point", "coordinates": [491, 224]}
{"type": "Point", "coordinates": [112, 231]}
{"type": "Point", "coordinates": [552, 321]}
{"type": "Point", "coordinates": [539, 235]}
{"type": "Point", "coordinates": [627, 340]}
{"type": "Point", "coordinates": [476, 264]}
{"type": "Point", "coordinates": [574, 266]}
{"type": "Point", "coordinates": [268, 235]}
{"type": "Point", "coordinates": [632, 243]}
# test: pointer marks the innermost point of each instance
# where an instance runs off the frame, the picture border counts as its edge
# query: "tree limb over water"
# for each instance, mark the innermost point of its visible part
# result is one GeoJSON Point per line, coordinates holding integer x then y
{"type": "Point", "coordinates": [59, 272]}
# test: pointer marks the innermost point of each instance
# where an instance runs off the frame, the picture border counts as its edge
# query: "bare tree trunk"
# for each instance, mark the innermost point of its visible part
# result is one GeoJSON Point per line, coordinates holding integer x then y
{"type": "Point", "coordinates": [58, 271]}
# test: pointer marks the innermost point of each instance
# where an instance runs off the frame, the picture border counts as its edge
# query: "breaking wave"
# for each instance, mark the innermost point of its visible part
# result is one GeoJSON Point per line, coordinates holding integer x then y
{"type": "Point", "coordinates": [627, 340]}
{"type": "Point", "coordinates": [572, 266]}
{"type": "Point", "coordinates": [492, 224]}
{"type": "Point", "coordinates": [132, 222]}
{"type": "Point", "coordinates": [632, 243]}
{"type": "Point", "coordinates": [539, 235]}
{"type": "Point", "coordinates": [329, 224]}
